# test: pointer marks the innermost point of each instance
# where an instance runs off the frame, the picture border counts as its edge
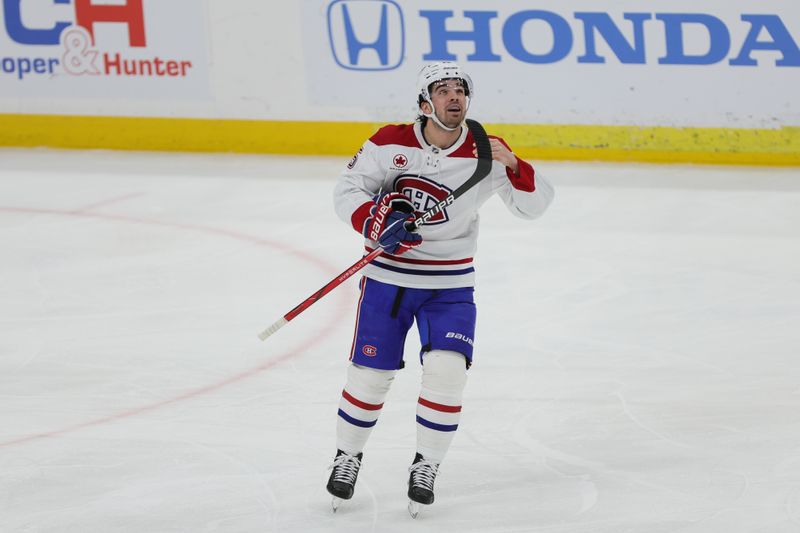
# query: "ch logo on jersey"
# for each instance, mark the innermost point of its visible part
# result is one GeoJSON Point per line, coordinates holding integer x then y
{"type": "Point", "coordinates": [424, 194]}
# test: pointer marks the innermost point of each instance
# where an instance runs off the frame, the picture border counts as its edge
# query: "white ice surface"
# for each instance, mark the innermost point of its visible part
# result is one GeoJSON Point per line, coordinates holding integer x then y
{"type": "Point", "coordinates": [637, 364]}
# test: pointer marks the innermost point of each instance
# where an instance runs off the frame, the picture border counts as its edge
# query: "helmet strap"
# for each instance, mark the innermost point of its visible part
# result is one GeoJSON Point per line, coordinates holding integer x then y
{"type": "Point", "coordinates": [434, 118]}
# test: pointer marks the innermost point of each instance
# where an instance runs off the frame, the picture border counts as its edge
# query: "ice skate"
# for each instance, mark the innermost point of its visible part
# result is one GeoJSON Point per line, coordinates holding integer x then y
{"type": "Point", "coordinates": [341, 483]}
{"type": "Point", "coordinates": [422, 474]}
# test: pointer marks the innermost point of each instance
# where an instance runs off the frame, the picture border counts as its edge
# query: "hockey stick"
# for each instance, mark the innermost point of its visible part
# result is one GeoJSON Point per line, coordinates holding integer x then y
{"type": "Point", "coordinates": [482, 170]}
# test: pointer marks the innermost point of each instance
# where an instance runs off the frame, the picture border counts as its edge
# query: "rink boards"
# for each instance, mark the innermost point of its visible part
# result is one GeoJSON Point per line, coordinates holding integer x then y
{"type": "Point", "coordinates": [647, 81]}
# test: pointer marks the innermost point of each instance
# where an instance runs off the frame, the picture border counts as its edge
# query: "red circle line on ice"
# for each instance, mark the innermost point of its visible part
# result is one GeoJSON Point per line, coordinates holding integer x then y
{"type": "Point", "coordinates": [203, 389]}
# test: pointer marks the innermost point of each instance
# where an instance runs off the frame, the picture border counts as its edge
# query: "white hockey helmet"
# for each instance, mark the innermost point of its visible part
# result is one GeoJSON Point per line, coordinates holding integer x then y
{"type": "Point", "coordinates": [442, 70]}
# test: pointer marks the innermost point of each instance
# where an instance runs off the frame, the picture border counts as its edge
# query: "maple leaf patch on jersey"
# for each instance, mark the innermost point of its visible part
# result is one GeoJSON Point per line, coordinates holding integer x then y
{"type": "Point", "coordinates": [424, 194]}
{"type": "Point", "coordinates": [400, 161]}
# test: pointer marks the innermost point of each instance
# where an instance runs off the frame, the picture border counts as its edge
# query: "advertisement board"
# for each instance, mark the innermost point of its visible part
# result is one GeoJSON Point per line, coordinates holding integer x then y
{"type": "Point", "coordinates": [671, 63]}
{"type": "Point", "coordinates": [651, 80]}
{"type": "Point", "coordinates": [140, 49]}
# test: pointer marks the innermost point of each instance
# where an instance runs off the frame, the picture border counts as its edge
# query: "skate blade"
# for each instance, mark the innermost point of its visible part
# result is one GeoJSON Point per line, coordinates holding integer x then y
{"type": "Point", "coordinates": [413, 509]}
{"type": "Point", "coordinates": [335, 503]}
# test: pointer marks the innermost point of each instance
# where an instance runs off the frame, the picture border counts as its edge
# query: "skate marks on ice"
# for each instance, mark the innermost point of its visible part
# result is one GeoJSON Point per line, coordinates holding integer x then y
{"type": "Point", "coordinates": [655, 388]}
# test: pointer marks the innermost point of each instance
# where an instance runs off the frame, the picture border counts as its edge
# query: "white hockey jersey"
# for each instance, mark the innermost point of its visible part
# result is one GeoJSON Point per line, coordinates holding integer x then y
{"type": "Point", "coordinates": [398, 158]}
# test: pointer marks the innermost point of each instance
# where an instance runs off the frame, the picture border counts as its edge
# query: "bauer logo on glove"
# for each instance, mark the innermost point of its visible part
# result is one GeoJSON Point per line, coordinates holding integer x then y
{"type": "Point", "coordinates": [386, 224]}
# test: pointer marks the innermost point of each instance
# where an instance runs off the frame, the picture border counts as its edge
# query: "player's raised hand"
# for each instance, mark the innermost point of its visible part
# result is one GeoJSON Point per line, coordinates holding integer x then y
{"type": "Point", "coordinates": [500, 153]}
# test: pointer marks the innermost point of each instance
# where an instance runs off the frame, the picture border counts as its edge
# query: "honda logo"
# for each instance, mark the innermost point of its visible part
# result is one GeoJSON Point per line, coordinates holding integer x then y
{"type": "Point", "coordinates": [366, 34]}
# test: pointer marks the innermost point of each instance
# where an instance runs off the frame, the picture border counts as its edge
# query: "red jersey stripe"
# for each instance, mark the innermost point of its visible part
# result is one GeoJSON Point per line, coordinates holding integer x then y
{"type": "Point", "coordinates": [439, 407]}
{"type": "Point", "coordinates": [360, 216]}
{"type": "Point", "coordinates": [399, 134]}
{"type": "Point", "coordinates": [358, 315]}
{"type": "Point", "coordinates": [358, 403]}
{"type": "Point", "coordinates": [465, 150]}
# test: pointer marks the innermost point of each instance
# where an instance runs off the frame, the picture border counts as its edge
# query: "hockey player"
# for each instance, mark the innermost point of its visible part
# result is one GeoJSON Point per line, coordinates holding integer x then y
{"type": "Point", "coordinates": [427, 276]}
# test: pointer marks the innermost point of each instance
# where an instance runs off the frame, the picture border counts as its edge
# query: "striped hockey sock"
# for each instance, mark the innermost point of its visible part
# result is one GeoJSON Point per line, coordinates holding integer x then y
{"type": "Point", "coordinates": [360, 405]}
{"type": "Point", "coordinates": [437, 421]}
{"type": "Point", "coordinates": [439, 403]}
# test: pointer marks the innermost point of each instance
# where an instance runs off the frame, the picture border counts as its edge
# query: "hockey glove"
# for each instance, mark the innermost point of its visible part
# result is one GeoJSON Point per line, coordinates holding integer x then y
{"type": "Point", "coordinates": [386, 223]}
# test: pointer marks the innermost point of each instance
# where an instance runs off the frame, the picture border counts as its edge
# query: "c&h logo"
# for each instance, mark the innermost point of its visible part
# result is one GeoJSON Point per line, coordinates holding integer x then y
{"type": "Point", "coordinates": [366, 34]}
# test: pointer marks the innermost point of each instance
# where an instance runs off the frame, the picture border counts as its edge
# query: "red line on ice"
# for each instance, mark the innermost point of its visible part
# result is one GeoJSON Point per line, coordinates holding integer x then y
{"type": "Point", "coordinates": [200, 391]}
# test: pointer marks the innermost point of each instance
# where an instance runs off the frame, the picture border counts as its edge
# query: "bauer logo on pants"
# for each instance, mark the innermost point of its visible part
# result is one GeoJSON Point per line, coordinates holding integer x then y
{"type": "Point", "coordinates": [458, 337]}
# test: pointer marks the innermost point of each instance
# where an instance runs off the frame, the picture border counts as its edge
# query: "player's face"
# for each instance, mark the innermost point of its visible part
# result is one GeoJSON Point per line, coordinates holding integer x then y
{"type": "Point", "coordinates": [450, 101]}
